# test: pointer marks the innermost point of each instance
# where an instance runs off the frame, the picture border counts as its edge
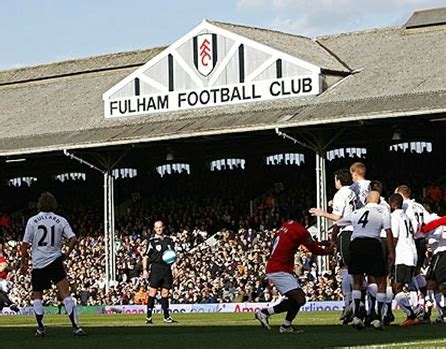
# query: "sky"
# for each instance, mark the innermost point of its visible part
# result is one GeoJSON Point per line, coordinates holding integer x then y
{"type": "Point", "coordinates": [45, 31]}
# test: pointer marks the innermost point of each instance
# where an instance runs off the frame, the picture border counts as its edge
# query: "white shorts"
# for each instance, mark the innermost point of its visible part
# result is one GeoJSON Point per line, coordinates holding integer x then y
{"type": "Point", "coordinates": [284, 282]}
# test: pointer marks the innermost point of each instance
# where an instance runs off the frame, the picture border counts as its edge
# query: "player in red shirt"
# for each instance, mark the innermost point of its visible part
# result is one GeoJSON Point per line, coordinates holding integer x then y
{"type": "Point", "coordinates": [5, 286]}
{"type": "Point", "coordinates": [279, 270]}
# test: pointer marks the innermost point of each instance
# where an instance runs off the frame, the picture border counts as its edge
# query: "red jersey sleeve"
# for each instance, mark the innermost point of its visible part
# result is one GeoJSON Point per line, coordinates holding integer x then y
{"type": "Point", "coordinates": [314, 247]}
{"type": "Point", "coordinates": [433, 225]}
{"type": "Point", "coordinates": [307, 241]}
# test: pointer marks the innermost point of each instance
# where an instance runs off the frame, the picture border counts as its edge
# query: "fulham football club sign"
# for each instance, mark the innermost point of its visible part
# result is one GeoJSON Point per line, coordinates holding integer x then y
{"type": "Point", "coordinates": [210, 67]}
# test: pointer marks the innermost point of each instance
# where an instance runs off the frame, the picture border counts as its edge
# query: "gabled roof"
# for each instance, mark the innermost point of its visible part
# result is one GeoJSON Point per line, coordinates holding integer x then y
{"type": "Point", "coordinates": [303, 47]}
{"type": "Point", "coordinates": [397, 73]}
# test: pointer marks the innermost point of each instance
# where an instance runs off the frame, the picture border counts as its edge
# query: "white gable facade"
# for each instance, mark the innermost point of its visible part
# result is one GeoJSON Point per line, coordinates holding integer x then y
{"type": "Point", "coordinates": [209, 67]}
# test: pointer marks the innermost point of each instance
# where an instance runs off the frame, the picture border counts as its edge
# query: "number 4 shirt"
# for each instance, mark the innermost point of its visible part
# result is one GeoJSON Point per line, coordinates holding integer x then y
{"type": "Point", "coordinates": [44, 232]}
{"type": "Point", "coordinates": [367, 221]}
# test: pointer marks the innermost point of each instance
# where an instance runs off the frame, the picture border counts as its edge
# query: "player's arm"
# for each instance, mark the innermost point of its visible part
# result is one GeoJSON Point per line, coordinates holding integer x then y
{"type": "Point", "coordinates": [145, 267]}
{"type": "Point", "coordinates": [320, 213]}
{"type": "Point", "coordinates": [72, 241]}
{"type": "Point", "coordinates": [315, 247]}
{"type": "Point", "coordinates": [146, 260]}
{"type": "Point", "coordinates": [335, 232]}
{"type": "Point", "coordinates": [395, 226]}
{"type": "Point", "coordinates": [390, 247]}
{"type": "Point", "coordinates": [387, 226]}
{"type": "Point", "coordinates": [433, 225]}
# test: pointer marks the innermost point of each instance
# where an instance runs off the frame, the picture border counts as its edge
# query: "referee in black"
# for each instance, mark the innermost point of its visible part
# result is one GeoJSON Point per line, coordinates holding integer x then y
{"type": "Point", "coordinates": [160, 272]}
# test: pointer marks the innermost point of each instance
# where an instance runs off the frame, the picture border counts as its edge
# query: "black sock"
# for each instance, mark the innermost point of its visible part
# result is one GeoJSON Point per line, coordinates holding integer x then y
{"type": "Point", "coordinates": [39, 319]}
{"type": "Point", "coordinates": [380, 309]}
{"type": "Point", "coordinates": [389, 308]}
{"type": "Point", "coordinates": [150, 305]}
{"type": "Point", "coordinates": [372, 304]}
{"type": "Point", "coordinates": [357, 306]}
{"type": "Point", "coordinates": [165, 306]}
{"type": "Point", "coordinates": [282, 306]}
{"type": "Point", "coordinates": [291, 314]}
{"type": "Point", "coordinates": [73, 320]}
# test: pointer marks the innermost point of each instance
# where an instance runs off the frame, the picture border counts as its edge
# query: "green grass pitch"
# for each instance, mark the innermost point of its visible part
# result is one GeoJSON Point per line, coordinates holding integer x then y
{"type": "Point", "coordinates": [210, 330]}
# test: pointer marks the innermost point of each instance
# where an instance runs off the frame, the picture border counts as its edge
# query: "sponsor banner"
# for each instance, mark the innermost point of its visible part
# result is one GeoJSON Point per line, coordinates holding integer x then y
{"type": "Point", "coordinates": [299, 86]}
{"type": "Point", "coordinates": [55, 310]}
{"type": "Point", "coordinates": [218, 308]}
{"type": "Point", "coordinates": [187, 308]}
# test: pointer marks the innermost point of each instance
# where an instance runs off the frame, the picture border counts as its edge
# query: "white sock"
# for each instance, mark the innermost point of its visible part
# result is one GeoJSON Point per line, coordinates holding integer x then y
{"type": "Point", "coordinates": [286, 323]}
{"type": "Point", "coordinates": [403, 302]}
{"type": "Point", "coordinates": [438, 301]}
{"type": "Point", "coordinates": [38, 306]}
{"type": "Point", "coordinates": [38, 311]}
{"type": "Point", "coordinates": [389, 294]}
{"type": "Point", "coordinates": [356, 295]}
{"type": "Point", "coordinates": [372, 290]}
{"type": "Point", "coordinates": [414, 298]}
{"type": "Point", "coordinates": [70, 307]}
{"type": "Point", "coordinates": [347, 284]}
{"type": "Point", "coordinates": [270, 310]}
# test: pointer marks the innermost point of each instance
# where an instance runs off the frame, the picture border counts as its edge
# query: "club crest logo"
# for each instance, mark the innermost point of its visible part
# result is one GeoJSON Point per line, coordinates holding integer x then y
{"type": "Point", "coordinates": [205, 53]}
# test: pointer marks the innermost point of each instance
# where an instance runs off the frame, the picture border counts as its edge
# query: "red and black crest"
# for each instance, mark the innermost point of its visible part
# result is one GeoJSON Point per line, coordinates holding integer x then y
{"type": "Point", "coordinates": [205, 53]}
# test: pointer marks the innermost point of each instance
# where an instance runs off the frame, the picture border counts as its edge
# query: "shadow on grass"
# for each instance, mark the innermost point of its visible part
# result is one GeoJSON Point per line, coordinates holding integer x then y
{"type": "Point", "coordinates": [174, 336]}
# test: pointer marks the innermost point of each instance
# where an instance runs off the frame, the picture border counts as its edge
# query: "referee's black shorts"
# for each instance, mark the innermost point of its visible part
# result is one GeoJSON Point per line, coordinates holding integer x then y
{"type": "Point", "coordinates": [54, 272]}
{"type": "Point", "coordinates": [366, 257]}
{"type": "Point", "coordinates": [160, 276]}
{"type": "Point", "coordinates": [343, 246]}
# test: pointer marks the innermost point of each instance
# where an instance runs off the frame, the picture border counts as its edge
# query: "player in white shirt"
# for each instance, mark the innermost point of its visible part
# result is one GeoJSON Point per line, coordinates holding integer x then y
{"type": "Point", "coordinates": [360, 186]}
{"type": "Point", "coordinates": [366, 255]}
{"type": "Point", "coordinates": [417, 215]}
{"type": "Point", "coordinates": [437, 236]}
{"type": "Point", "coordinates": [45, 233]}
{"type": "Point", "coordinates": [343, 204]}
{"type": "Point", "coordinates": [372, 287]}
{"type": "Point", "coordinates": [405, 257]}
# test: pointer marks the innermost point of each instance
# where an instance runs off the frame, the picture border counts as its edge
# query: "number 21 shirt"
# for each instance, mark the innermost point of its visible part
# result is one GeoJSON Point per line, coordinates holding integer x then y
{"type": "Point", "coordinates": [45, 232]}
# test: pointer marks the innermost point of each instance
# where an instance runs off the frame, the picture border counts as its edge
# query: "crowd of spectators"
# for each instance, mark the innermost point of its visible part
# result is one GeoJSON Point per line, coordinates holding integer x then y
{"type": "Point", "coordinates": [230, 267]}
{"type": "Point", "coordinates": [222, 242]}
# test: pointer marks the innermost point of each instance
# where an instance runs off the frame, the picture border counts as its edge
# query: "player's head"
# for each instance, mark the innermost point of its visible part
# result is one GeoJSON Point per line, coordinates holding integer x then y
{"type": "Point", "coordinates": [395, 201]}
{"type": "Point", "coordinates": [294, 213]}
{"type": "Point", "coordinates": [404, 190]}
{"type": "Point", "coordinates": [158, 226]}
{"type": "Point", "coordinates": [47, 202]}
{"type": "Point", "coordinates": [357, 170]}
{"type": "Point", "coordinates": [373, 197]}
{"type": "Point", "coordinates": [342, 178]}
{"type": "Point", "coordinates": [377, 186]}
